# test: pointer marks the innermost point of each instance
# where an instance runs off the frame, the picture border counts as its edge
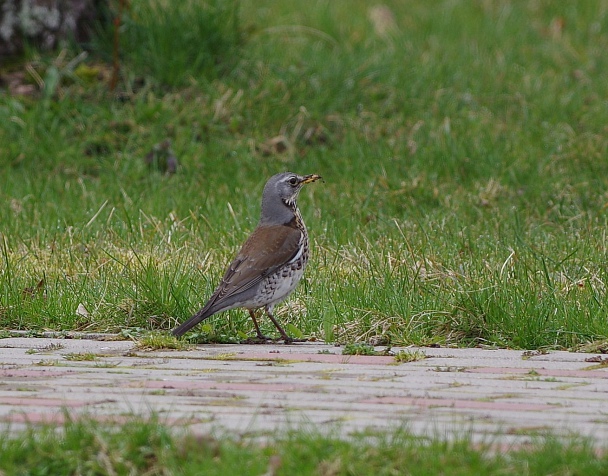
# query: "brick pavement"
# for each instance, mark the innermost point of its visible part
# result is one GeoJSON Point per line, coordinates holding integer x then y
{"type": "Point", "coordinates": [496, 395]}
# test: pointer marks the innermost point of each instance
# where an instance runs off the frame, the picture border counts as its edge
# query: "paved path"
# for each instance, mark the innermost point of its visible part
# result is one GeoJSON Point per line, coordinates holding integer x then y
{"type": "Point", "coordinates": [497, 395]}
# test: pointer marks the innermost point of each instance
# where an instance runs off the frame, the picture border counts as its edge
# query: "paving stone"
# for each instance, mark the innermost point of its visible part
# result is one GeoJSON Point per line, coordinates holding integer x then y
{"type": "Point", "coordinates": [503, 396]}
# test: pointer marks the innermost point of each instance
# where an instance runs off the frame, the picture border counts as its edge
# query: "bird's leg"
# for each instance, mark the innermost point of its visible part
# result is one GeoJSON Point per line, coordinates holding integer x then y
{"type": "Point", "coordinates": [261, 336]}
{"type": "Point", "coordinates": [286, 338]}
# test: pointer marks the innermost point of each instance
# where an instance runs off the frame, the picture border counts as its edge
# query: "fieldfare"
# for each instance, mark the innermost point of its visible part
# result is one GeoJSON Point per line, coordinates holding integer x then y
{"type": "Point", "coordinates": [270, 263]}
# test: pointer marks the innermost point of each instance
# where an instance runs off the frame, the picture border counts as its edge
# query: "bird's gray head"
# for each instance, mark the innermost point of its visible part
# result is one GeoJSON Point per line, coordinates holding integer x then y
{"type": "Point", "coordinates": [280, 194]}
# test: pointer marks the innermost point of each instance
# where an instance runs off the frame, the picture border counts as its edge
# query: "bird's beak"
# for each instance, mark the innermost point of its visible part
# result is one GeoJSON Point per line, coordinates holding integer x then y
{"type": "Point", "coordinates": [311, 178]}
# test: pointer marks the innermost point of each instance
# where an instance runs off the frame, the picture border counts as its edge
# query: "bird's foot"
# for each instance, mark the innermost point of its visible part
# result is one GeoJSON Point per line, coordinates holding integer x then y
{"type": "Point", "coordinates": [260, 339]}
{"type": "Point", "coordinates": [293, 340]}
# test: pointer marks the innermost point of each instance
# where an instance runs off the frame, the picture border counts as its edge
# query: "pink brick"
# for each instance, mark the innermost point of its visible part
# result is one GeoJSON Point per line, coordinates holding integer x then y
{"type": "Point", "coordinates": [191, 384]}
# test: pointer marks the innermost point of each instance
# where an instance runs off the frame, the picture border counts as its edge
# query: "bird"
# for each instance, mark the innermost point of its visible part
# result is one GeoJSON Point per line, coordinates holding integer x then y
{"type": "Point", "coordinates": [270, 263]}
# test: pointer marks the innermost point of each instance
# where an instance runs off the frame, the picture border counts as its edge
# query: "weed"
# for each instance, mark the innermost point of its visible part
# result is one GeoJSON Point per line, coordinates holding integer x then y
{"type": "Point", "coordinates": [106, 365]}
{"type": "Point", "coordinates": [527, 354]}
{"type": "Point", "coordinates": [598, 359]}
{"type": "Point", "coordinates": [80, 356]}
{"type": "Point", "coordinates": [48, 363]}
{"type": "Point", "coordinates": [160, 341]}
{"type": "Point", "coordinates": [449, 368]}
{"type": "Point", "coordinates": [224, 356]}
{"type": "Point", "coordinates": [599, 346]}
{"type": "Point", "coordinates": [410, 356]}
{"type": "Point", "coordinates": [357, 348]}
{"type": "Point", "coordinates": [48, 348]}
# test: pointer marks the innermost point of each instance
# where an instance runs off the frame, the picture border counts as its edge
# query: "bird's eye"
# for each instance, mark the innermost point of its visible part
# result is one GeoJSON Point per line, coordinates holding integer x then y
{"type": "Point", "coordinates": [293, 181]}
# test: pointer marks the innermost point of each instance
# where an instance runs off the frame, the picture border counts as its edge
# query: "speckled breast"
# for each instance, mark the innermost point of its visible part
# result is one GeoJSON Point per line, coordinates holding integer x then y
{"type": "Point", "coordinates": [279, 285]}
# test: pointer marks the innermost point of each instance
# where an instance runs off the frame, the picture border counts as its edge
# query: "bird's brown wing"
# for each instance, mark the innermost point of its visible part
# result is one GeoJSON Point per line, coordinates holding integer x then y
{"type": "Point", "coordinates": [266, 250]}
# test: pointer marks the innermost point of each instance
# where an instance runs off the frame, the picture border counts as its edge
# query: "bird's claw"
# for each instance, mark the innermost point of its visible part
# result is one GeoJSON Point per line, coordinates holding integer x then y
{"type": "Point", "coordinates": [293, 340]}
{"type": "Point", "coordinates": [261, 339]}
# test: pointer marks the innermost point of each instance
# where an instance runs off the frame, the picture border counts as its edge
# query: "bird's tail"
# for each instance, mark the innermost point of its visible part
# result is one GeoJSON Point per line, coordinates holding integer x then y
{"type": "Point", "coordinates": [200, 316]}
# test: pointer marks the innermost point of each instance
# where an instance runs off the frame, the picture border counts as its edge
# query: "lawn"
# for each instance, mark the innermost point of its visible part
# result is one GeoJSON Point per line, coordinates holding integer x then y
{"type": "Point", "coordinates": [150, 447]}
{"type": "Point", "coordinates": [464, 147]}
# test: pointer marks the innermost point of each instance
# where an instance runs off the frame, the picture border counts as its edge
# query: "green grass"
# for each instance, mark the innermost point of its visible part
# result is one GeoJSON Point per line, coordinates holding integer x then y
{"type": "Point", "coordinates": [150, 447]}
{"type": "Point", "coordinates": [80, 356]}
{"type": "Point", "coordinates": [158, 341]}
{"type": "Point", "coordinates": [196, 39]}
{"type": "Point", "coordinates": [410, 355]}
{"type": "Point", "coordinates": [358, 349]}
{"type": "Point", "coordinates": [463, 152]}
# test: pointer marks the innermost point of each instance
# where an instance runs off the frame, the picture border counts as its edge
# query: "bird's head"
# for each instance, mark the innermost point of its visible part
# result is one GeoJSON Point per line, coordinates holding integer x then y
{"type": "Point", "coordinates": [280, 194]}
